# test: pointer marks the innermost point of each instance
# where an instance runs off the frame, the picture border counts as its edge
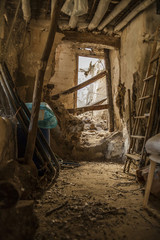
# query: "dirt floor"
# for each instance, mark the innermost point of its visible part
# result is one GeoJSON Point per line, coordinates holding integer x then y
{"type": "Point", "coordinates": [97, 201]}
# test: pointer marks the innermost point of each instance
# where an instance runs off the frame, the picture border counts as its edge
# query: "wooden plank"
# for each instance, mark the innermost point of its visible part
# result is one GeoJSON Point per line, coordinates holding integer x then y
{"type": "Point", "coordinates": [149, 78]}
{"type": "Point", "coordinates": [88, 108]}
{"type": "Point", "coordinates": [92, 10]}
{"type": "Point", "coordinates": [138, 137]}
{"type": "Point", "coordinates": [129, 108]}
{"type": "Point", "coordinates": [32, 131]}
{"type": "Point", "coordinates": [149, 183]}
{"type": "Point", "coordinates": [145, 97]}
{"type": "Point", "coordinates": [156, 56]}
{"type": "Point", "coordinates": [80, 86]}
{"type": "Point", "coordinates": [135, 157]}
{"type": "Point", "coordinates": [75, 82]}
{"type": "Point", "coordinates": [140, 117]}
{"type": "Point", "coordinates": [109, 90]}
{"type": "Point", "coordinates": [88, 37]}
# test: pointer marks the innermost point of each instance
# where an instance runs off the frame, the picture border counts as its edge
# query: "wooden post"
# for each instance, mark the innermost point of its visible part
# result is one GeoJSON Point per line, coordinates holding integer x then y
{"type": "Point", "coordinates": [75, 82]}
{"type": "Point", "coordinates": [2, 11]}
{"type": "Point", "coordinates": [2, 26]}
{"type": "Point", "coordinates": [32, 131]}
{"type": "Point", "coordinates": [129, 106]}
{"type": "Point", "coordinates": [149, 182]}
{"type": "Point", "coordinates": [109, 90]}
{"type": "Point", "coordinates": [12, 27]}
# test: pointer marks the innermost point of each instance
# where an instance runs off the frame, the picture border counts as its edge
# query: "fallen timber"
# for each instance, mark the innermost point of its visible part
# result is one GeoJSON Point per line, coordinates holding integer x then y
{"type": "Point", "coordinates": [88, 108]}
{"type": "Point", "coordinates": [80, 86]}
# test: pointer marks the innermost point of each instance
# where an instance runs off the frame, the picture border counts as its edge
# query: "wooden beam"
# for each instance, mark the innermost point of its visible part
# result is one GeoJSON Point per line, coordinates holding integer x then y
{"type": "Point", "coordinates": [80, 86]}
{"type": "Point", "coordinates": [109, 90]}
{"type": "Point", "coordinates": [142, 6]}
{"type": "Point", "coordinates": [12, 27]}
{"type": "Point", "coordinates": [26, 10]}
{"type": "Point", "coordinates": [88, 37]}
{"type": "Point", "coordinates": [75, 82]}
{"type": "Point", "coordinates": [129, 108]}
{"type": "Point", "coordinates": [92, 9]}
{"type": "Point", "coordinates": [2, 22]}
{"type": "Point", "coordinates": [88, 108]}
{"type": "Point", "coordinates": [32, 131]}
{"type": "Point", "coordinates": [99, 102]}
{"type": "Point", "coordinates": [73, 21]}
{"type": "Point", "coordinates": [99, 14]}
{"type": "Point", "coordinates": [119, 8]}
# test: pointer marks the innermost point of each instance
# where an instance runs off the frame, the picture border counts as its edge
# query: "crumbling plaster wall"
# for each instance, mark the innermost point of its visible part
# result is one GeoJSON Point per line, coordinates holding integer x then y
{"type": "Point", "coordinates": [30, 56]}
{"type": "Point", "coordinates": [65, 71]}
{"type": "Point", "coordinates": [134, 57]}
{"type": "Point", "coordinates": [24, 52]}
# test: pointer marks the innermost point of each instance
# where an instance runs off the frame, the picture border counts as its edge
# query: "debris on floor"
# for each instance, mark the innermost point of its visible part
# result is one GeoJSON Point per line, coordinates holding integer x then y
{"type": "Point", "coordinates": [142, 175]}
{"type": "Point", "coordinates": [96, 201]}
{"type": "Point", "coordinates": [83, 137]}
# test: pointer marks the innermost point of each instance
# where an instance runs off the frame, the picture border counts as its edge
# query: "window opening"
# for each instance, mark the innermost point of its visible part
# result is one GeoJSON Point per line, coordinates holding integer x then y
{"type": "Point", "coordinates": [89, 67]}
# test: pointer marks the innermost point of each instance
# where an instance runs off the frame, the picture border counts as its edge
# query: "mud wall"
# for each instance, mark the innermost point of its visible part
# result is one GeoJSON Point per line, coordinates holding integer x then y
{"type": "Point", "coordinates": [24, 50]}
{"type": "Point", "coordinates": [136, 44]}
{"type": "Point", "coordinates": [65, 71]}
{"type": "Point", "coordinates": [31, 53]}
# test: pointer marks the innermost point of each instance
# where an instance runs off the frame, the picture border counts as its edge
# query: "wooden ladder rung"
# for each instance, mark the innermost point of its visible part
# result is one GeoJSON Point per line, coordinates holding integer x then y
{"type": "Point", "coordinates": [135, 157]}
{"type": "Point", "coordinates": [140, 117]}
{"type": "Point", "coordinates": [149, 78]}
{"type": "Point", "coordinates": [138, 137]}
{"type": "Point", "coordinates": [145, 97]}
{"type": "Point", "coordinates": [156, 56]}
{"type": "Point", "coordinates": [147, 114]}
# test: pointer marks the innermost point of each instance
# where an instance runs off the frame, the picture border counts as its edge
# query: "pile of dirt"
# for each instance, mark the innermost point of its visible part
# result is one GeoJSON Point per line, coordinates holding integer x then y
{"type": "Point", "coordinates": [96, 201]}
{"type": "Point", "coordinates": [67, 134]}
{"type": "Point", "coordinates": [83, 137]}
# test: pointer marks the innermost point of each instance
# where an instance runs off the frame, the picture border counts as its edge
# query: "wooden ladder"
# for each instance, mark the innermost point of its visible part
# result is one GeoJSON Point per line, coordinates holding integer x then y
{"type": "Point", "coordinates": [132, 156]}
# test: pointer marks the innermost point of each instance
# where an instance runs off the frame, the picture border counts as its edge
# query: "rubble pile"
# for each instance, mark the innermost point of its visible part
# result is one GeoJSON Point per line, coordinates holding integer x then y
{"type": "Point", "coordinates": [83, 137]}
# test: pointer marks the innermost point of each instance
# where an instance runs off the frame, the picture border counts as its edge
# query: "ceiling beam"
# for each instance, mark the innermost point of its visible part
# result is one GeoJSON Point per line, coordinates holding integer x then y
{"type": "Point", "coordinates": [99, 14]}
{"type": "Point", "coordinates": [142, 6]}
{"type": "Point", "coordinates": [119, 8]}
{"type": "Point", "coordinates": [87, 37]}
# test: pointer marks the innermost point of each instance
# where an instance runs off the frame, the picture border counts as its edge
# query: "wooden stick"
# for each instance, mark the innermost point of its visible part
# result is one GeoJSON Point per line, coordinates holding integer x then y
{"type": "Point", "coordinates": [12, 26]}
{"type": "Point", "coordinates": [32, 131]}
{"type": "Point", "coordinates": [129, 107]}
{"type": "Point", "coordinates": [109, 90]}
{"type": "Point", "coordinates": [88, 108]}
{"type": "Point", "coordinates": [80, 86]}
{"type": "Point", "coordinates": [55, 209]}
